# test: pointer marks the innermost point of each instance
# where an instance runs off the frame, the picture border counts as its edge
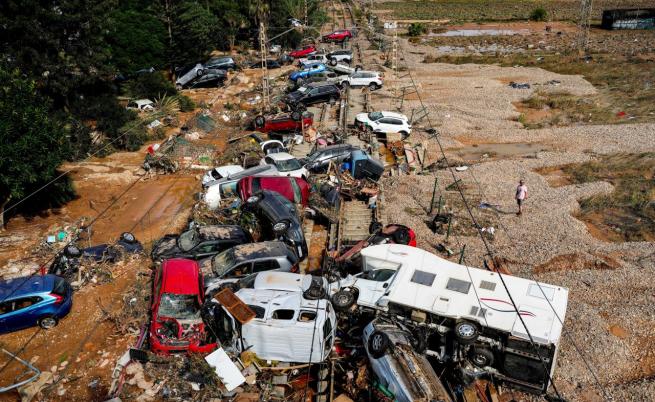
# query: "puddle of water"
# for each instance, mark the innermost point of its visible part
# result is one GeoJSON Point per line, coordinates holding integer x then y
{"type": "Point", "coordinates": [483, 151]}
{"type": "Point", "coordinates": [482, 32]}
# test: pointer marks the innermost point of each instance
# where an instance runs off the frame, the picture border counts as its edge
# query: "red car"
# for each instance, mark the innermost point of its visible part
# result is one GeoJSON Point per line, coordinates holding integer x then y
{"type": "Point", "coordinates": [178, 295]}
{"type": "Point", "coordinates": [293, 189]}
{"type": "Point", "coordinates": [338, 36]}
{"type": "Point", "coordinates": [302, 52]}
{"type": "Point", "coordinates": [284, 122]}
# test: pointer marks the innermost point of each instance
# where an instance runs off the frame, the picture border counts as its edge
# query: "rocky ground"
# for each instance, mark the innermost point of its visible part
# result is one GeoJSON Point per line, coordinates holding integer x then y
{"type": "Point", "coordinates": [609, 315]}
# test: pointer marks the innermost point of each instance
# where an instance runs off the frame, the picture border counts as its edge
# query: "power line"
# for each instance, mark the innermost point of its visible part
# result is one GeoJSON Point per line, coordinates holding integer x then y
{"type": "Point", "coordinates": [479, 230]}
{"type": "Point", "coordinates": [533, 277]}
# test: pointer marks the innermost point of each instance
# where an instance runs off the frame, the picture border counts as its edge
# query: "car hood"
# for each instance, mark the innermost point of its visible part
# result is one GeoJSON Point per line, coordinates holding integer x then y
{"type": "Point", "coordinates": [363, 117]}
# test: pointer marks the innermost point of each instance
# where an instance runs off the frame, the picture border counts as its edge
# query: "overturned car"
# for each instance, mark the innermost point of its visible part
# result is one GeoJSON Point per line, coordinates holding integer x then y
{"type": "Point", "coordinates": [199, 242]}
{"type": "Point", "coordinates": [293, 319]}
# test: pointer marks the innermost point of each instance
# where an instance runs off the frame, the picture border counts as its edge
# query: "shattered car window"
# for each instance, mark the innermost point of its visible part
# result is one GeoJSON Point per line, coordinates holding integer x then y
{"type": "Point", "coordinates": [375, 116]}
{"type": "Point", "coordinates": [288, 165]}
{"type": "Point", "coordinates": [223, 262]}
{"type": "Point", "coordinates": [181, 307]}
{"type": "Point", "coordinates": [188, 240]}
{"type": "Point", "coordinates": [228, 189]}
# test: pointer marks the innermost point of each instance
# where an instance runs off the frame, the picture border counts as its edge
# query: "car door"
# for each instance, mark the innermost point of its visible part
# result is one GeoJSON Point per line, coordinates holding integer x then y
{"type": "Point", "coordinates": [21, 315]}
{"type": "Point", "coordinates": [372, 285]}
{"type": "Point", "coordinates": [265, 265]}
{"type": "Point", "coordinates": [240, 270]}
{"type": "Point", "coordinates": [357, 79]}
{"type": "Point", "coordinates": [385, 125]}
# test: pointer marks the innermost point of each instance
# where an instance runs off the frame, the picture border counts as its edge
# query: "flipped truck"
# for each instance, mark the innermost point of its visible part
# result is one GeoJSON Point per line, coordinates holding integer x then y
{"type": "Point", "coordinates": [462, 314]}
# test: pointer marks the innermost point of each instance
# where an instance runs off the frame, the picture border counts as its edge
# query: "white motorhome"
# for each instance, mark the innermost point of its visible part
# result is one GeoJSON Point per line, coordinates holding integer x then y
{"type": "Point", "coordinates": [294, 322]}
{"type": "Point", "coordinates": [463, 309]}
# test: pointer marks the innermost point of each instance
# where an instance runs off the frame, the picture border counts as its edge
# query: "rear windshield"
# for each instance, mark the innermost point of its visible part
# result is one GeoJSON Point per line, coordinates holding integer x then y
{"type": "Point", "coordinates": [188, 240]}
{"type": "Point", "coordinates": [181, 307]}
{"type": "Point", "coordinates": [59, 287]}
{"type": "Point", "coordinates": [223, 262]}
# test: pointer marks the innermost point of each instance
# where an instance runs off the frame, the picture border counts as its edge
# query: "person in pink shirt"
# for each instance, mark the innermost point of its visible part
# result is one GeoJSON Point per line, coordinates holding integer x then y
{"type": "Point", "coordinates": [521, 195]}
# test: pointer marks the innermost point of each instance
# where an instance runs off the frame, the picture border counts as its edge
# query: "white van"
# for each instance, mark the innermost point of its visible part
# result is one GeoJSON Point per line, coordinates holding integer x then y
{"type": "Point", "coordinates": [448, 300]}
{"type": "Point", "coordinates": [294, 322]}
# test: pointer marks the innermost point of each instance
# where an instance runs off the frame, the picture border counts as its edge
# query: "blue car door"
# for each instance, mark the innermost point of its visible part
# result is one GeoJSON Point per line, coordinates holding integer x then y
{"type": "Point", "coordinates": [19, 313]}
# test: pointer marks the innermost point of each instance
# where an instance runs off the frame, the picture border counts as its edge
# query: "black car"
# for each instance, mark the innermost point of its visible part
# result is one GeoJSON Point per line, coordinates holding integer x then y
{"type": "Point", "coordinates": [278, 220]}
{"type": "Point", "coordinates": [210, 79]}
{"type": "Point", "coordinates": [319, 160]}
{"type": "Point", "coordinates": [67, 262]}
{"type": "Point", "coordinates": [221, 63]}
{"type": "Point", "coordinates": [312, 93]}
{"type": "Point", "coordinates": [199, 242]}
{"type": "Point", "coordinates": [269, 64]}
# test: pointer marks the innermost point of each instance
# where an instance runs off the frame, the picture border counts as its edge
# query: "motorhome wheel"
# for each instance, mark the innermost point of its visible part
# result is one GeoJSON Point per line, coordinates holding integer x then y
{"type": "Point", "coordinates": [466, 332]}
{"type": "Point", "coordinates": [343, 300]}
{"type": "Point", "coordinates": [481, 357]}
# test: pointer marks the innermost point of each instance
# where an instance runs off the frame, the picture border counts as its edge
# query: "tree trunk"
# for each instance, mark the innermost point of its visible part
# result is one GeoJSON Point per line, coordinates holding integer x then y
{"type": "Point", "coordinates": [3, 203]}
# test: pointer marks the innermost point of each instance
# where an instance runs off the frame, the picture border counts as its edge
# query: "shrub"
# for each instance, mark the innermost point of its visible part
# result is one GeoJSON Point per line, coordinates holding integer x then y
{"type": "Point", "coordinates": [539, 14]}
{"type": "Point", "coordinates": [416, 29]}
{"type": "Point", "coordinates": [186, 104]}
{"type": "Point", "coordinates": [149, 85]}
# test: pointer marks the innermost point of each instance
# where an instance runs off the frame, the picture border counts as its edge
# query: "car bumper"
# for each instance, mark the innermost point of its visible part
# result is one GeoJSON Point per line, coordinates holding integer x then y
{"type": "Point", "coordinates": [180, 347]}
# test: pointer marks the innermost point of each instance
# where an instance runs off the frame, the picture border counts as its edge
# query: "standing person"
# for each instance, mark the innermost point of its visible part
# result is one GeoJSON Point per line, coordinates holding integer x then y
{"type": "Point", "coordinates": [521, 195]}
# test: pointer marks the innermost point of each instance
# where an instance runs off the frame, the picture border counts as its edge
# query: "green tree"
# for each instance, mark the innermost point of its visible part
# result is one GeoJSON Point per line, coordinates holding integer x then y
{"type": "Point", "coordinates": [194, 33]}
{"type": "Point", "coordinates": [32, 144]}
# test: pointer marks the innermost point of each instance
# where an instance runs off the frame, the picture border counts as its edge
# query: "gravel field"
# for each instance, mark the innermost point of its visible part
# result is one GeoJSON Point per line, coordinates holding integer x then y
{"type": "Point", "coordinates": [612, 285]}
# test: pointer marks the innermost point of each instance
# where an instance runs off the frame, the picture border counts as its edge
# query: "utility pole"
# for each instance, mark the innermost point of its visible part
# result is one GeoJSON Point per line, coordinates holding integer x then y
{"type": "Point", "coordinates": [583, 26]}
{"type": "Point", "coordinates": [266, 95]}
{"type": "Point", "coordinates": [306, 23]}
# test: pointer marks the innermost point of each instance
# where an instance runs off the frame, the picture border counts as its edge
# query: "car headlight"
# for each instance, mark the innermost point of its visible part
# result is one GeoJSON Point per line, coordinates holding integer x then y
{"type": "Point", "coordinates": [280, 227]}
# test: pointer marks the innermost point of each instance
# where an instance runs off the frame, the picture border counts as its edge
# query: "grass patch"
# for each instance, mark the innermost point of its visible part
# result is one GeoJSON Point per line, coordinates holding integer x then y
{"type": "Point", "coordinates": [626, 87]}
{"type": "Point", "coordinates": [628, 213]}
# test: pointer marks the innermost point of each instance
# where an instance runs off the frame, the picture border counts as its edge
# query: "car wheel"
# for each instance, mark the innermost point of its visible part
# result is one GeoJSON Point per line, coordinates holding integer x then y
{"type": "Point", "coordinates": [481, 357]}
{"type": "Point", "coordinates": [48, 322]}
{"type": "Point", "coordinates": [378, 343]}
{"type": "Point", "coordinates": [358, 67]}
{"type": "Point", "coordinates": [72, 251]}
{"type": "Point", "coordinates": [466, 332]}
{"type": "Point", "coordinates": [296, 115]}
{"type": "Point", "coordinates": [343, 300]}
{"type": "Point", "coordinates": [401, 236]}
{"type": "Point", "coordinates": [128, 237]}
{"type": "Point", "coordinates": [200, 72]}
{"type": "Point", "coordinates": [373, 86]}
{"type": "Point", "coordinates": [333, 62]}
{"type": "Point", "coordinates": [260, 121]}
{"type": "Point", "coordinates": [404, 135]}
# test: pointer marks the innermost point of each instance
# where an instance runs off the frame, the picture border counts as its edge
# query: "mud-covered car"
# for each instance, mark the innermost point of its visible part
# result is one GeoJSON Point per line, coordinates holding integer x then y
{"type": "Point", "coordinates": [396, 358]}
{"type": "Point", "coordinates": [199, 242]}
{"type": "Point", "coordinates": [67, 262]}
{"type": "Point", "coordinates": [393, 233]}
{"type": "Point", "coordinates": [176, 324]}
{"type": "Point", "coordinates": [278, 220]}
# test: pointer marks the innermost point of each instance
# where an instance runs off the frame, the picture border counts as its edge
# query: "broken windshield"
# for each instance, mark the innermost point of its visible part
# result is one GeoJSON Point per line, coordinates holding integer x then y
{"type": "Point", "coordinates": [287, 165]}
{"type": "Point", "coordinates": [181, 307]}
{"type": "Point", "coordinates": [188, 240]}
{"type": "Point", "coordinates": [222, 262]}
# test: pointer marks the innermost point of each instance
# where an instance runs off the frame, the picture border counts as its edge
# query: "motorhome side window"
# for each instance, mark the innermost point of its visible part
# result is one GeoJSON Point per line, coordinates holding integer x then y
{"type": "Point", "coordinates": [259, 311]}
{"type": "Point", "coordinates": [534, 291]}
{"type": "Point", "coordinates": [307, 316]}
{"type": "Point", "coordinates": [283, 314]}
{"type": "Point", "coordinates": [423, 278]}
{"type": "Point", "coordinates": [458, 285]}
{"type": "Point", "coordinates": [381, 275]}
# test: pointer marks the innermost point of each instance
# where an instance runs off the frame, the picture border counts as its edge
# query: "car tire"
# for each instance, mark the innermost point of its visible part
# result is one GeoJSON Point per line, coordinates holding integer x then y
{"type": "Point", "coordinates": [178, 87]}
{"type": "Point", "coordinates": [260, 121]}
{"type": "Point", "coordinates": [72, 251]}
{"type": "Point", "coordinates": [296, 115]}
{"type": "Point", "coordinates": [48, 322]}
{"type": "Point", "coordinates": [333, 62]}
{"type": "Point", "coordinates": [481, 357]}
{"type": "Point", "coordinates": [404, 135]}
{"type": "Point", "coordinates": [373, 86]}
{"type": "Point", "coordinates": [128, 238]}
{"type": "Point", "coordinates": [466, 332]}
{"type": "Point", "coordinates": [200, 72]}
{"type": "Point", "coordinates": [343, 300]}
{"type": "Point", "coordinates": [378, 343]}
{"type": "Point", "coordinates": [401, 236]}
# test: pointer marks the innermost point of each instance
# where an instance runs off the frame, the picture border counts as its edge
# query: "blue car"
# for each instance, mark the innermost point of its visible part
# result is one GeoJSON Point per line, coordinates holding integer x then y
{"type": "Point", "coordinates": [30, 301]}
{"type": "Point", "coordinates": [308, 71]}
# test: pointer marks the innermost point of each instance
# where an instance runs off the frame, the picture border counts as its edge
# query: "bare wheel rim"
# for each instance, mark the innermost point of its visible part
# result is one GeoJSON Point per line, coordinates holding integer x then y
{"type": "Point", "coordinates": [480, 359]}
{"type": "Point", "coordinates": [377, 342]}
